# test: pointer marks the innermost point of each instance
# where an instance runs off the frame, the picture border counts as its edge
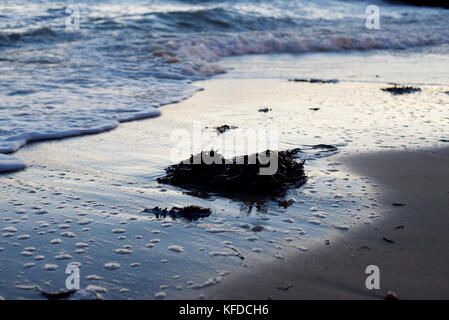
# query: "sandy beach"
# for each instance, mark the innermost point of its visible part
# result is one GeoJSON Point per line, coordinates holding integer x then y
{"type": "Point", "coordinates": [82, 200]}
{"type": "Point", "coordinates": [415, 266]}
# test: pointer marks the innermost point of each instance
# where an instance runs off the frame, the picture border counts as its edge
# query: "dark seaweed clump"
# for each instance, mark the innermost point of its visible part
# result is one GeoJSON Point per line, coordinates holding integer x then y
{"type": "Point", "coordinates": [223, 128]}
{"type": "Point", "coordinates": [237, 175]}
{"type": "Point", "coordinates": [395, 90]}
{"type": "Point", "coordinates": [264, 110]}
{"type": "Point", "coordinates": [315, 80]}
{"type": "Point", "coordinates": [189, 212]}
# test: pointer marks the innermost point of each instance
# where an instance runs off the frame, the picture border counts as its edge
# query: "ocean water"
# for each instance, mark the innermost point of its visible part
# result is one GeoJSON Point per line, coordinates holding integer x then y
{"type": "Point", "coordinates": [129, 57]}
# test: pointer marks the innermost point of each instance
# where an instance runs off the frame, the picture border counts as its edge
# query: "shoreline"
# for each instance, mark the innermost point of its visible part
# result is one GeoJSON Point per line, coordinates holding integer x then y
{"type": "Point", "coordinates": [105, 181]}
{"type": "Point", "coordinates": [409, 244]}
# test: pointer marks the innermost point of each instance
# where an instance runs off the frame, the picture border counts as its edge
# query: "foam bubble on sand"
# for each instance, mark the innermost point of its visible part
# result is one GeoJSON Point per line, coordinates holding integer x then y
{"type": "Point", "coordinates": [209, 282]}
{"type": "Point", "coordinates": [10, 163]}
{"type": "Point", "coordinates": [9, 229]}
{"type": "Point", "coordinates": [26, 253]}
{"type": "Point", "coordinates": [112, 265]}
{"type": "Point", "coordinates": [176, 248]}
{"type": "Point", "coordinates": [81, 244]}
{"type": "Point", "coordinates": [63, 256]}
{"type": "Point", "coordinates": [50, 267]}
{"type": "Point", "coordinates": [342, 227]}
{"type": "Point", "coordinates": [96, 289]}
{"type": "Point", "coordinates": [160, 295]}
{"type": "Point", "coordinates": [225, 253]}
{"type": "Point", "coordinates": [26, 286]}
{"type": "Point", "coordinates": [123, 251]}
{"type": "Point", "coordinates": [56, 241]}
{"type": "Point", "coordinates": [68, 234]}
{"type": "Point", "coordinates": [118, 230]}
{"type": "Point", "coordinates": [84, 221]}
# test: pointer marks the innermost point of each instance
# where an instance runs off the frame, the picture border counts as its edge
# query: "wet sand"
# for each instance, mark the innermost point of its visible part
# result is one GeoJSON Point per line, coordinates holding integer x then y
{"type": "Point", "coordinates": [415, 266]}
{"type": "Point", "coordinates": [81, 200]}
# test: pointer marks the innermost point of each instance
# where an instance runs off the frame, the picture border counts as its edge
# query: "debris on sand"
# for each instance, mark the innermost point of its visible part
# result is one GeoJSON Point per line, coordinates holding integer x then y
{"type": "Point", "coordinates": [285, 203]}
{"type": "Point", "coordinates": [314, 109]}
{"type": "Point", "coordinates": [57, 295]}
{"type": "Point", "coordinates": [391, 296]}
{"type": "Point", "coordinates": [397, 204]}
{"type": "Point", "coordinates": [223, 128]}
{"type": "Point", "coordinates": [264, 110]}
{"type": "Point", "coordinates": [285, 288]}
{"type": "Point", "coordinates": [257, 228]}
{"type": "Point", "coordinates": [396, 89]}
{"type": "Point", "coordinates": [189, 212]}
{"type": "Point", "coordinates": [258, 174]}
{"type": "Point", "coordinates": [312, 80]}
{"type": "Point", "coordinates": [387, 240]}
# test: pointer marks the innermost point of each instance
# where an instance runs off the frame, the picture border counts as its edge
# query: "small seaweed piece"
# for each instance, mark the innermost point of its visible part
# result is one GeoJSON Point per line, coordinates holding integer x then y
{"type": "Point", "coordinates": [396, 89]}
{"type": "Point", "coordinates": [314, 109]}
{"type": "Point", "coordinates": [264, 110]}
{"type": "Point", "coordinates": [387, 240]}
{"type": "Point", "coordinates": [397, 204]}
{"type": "Point", "coordinates": [313, 80]}
{"type": "Point", "coordinates": [190, 212]}
{"type": "Point", "coordinates": [223, 128]}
